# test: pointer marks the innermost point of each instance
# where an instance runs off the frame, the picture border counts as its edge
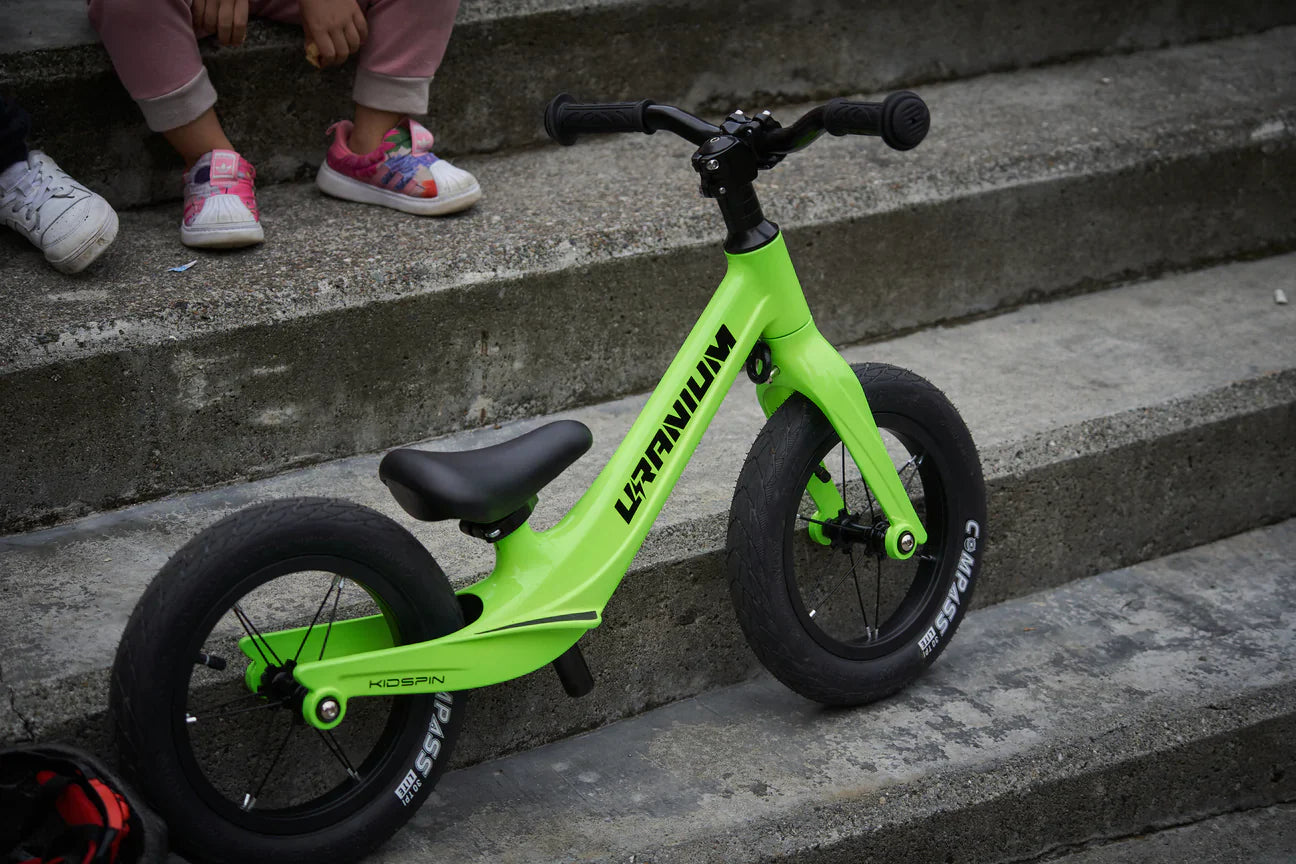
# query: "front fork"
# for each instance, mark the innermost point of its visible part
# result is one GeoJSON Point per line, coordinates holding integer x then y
{"type": "Point", "coordinates": [804, 362]}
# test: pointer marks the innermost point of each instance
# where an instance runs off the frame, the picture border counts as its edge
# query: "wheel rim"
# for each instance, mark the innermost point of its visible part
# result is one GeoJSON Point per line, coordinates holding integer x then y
{"type": "Point", "coordinates": [250, 755]}
{"type": "Point", "coordinates": [850, 597]}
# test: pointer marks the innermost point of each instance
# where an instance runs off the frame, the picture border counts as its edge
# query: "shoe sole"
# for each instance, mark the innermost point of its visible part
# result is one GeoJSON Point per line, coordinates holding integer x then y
{"type": "Point", "coordinates": [222, 238]}
{"type": "Point", "coordinates": [92, 248]}
{"type": "Point", "coordinates": [347, 188]}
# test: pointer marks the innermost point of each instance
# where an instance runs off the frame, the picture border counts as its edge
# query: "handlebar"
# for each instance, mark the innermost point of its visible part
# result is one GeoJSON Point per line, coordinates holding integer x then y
{"type": "Point", "coordinates": [565, 119]}
{"type": "Point", "coordinates": [901, 120]}
{"type": "Point", "coordinates": [730, 156]}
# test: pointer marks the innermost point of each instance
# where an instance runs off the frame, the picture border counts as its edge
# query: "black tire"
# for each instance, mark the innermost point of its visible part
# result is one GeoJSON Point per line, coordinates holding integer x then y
{"type": "Point", "coordinates": [305, 806]}
{"type": "Point", "coordinates": [805, 607]}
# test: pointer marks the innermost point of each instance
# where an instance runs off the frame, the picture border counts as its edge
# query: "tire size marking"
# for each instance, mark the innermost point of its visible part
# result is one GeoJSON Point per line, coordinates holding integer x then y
{"type": "Point", "coordinates": [428, 752]}
{"type": "Point", "coordinates": [948, 610]}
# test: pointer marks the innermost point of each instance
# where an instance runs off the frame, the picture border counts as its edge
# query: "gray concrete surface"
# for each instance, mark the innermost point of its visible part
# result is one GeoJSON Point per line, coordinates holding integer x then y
{"type": "Point", "coordinates": [31, 25]}
{"type": "Point", "coordinates": [1113, 427]}
{"type": "Point", "coordinates": [574, 279]}
{"type": "Point", "coordinates": [1265, 835]}
{"type": "Point", "coordinates": [508, 58]}
{"type": "Point", "coordinates": [1138, 698]}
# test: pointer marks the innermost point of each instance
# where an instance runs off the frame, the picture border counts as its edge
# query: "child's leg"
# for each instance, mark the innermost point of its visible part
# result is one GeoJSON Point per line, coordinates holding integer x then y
{"type": "Point", "coordinates": [155, 52]}
{"type": "Point", "coordinates": [384, 157]}
{"type": "Point", "coordinates": [197, 138]}
{"type": "Point", "coordinates": [407, 40]}
{"type": "Point", "coordinates": [371, 124]}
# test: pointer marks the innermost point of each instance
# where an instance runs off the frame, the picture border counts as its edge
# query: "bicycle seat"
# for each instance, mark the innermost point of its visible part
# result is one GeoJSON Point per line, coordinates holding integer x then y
{"type": "Point", "coordinates": [486, 484]}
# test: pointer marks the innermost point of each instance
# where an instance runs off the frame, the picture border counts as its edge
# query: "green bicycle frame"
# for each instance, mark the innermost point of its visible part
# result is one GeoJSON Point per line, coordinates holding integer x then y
{"type": "Point", "coordinates": [549, 587]}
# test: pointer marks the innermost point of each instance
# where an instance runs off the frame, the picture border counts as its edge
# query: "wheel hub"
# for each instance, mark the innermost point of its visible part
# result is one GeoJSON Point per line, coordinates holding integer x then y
{"type": "Point", "coordinates": [844, 532]}
{"type": "Point", "coordinates": [279, 685]}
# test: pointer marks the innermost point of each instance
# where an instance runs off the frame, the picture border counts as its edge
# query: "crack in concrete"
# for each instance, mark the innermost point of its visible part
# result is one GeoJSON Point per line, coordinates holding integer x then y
{"type": "Point", "coordinates": [13, 705]}
{"type": "Point", "coordinates": [1062, 851]}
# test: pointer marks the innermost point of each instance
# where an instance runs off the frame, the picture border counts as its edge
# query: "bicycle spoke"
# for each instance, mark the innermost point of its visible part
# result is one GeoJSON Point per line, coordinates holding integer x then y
{"type": "Point", "coordinates": [335, 748]}
{"type": "Point", "coordinates": [833, 590]}
{"type": "Point", "coordinates": [194, 718]}
{"type": "Point", "coordinates": [845, 503]}
{"type": "Point", "coordinates": [812, 520]}
{"type": "Point", "coordinates": [332, 615]}
{"type": "Point", "coordinates": [859, 593]}
{"type": "Point", "coordinates": [228, 702]}
{"type": "Point", "coordinates": [255, 634]}
{"type": "Point", "coordinates": [318, 612]}
{"type": "Point", "coordinates": [877, 598]}
{"type": "Point", "coordinates": [916, 463]}
{"type": "Point", "coordinates": [250, 798]}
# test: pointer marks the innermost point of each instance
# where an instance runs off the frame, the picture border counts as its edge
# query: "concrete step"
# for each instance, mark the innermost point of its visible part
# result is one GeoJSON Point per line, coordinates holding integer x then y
{"type": "Point", "coordinates": [1263, 835]}
{"type": "Point", "coordinates": [507, 59]}
{"type": "Point", "coordinates": [1113, 427]}
{"type": "Point", "coordinates": [1139, 698]}
{"type": "Point", "coordinates": [574, 280]}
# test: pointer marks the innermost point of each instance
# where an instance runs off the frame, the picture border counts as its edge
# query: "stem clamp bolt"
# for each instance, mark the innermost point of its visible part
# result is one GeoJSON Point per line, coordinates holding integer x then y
{"type": "Point", "coordinates": [713, 165]}
{"type": "Point", "coordinates": [906, 543]}
{"type": "Point", "coordinates": [328, 709]}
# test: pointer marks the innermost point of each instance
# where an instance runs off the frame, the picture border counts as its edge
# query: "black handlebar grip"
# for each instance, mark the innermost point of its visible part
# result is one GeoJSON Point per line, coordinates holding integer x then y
{"type": "Point", "coordinates": [564, 119]}
{"type": "Point", "coordinates": [902, 119]}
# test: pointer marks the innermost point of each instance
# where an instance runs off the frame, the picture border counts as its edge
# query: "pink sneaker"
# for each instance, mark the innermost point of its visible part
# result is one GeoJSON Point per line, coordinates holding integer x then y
{"type": "Point", "coordinates": [220, 208]}
{"type": "Point", "coordinates": [403, 173]}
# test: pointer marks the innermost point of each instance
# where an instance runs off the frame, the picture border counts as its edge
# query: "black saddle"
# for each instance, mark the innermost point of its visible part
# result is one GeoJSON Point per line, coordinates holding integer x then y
{"type": "Point", "coordinates": [485, 485]}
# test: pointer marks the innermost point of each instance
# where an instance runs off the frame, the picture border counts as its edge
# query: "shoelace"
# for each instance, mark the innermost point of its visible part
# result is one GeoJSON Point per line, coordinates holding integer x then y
{"type": "Point", "coordinates": [23, 199]}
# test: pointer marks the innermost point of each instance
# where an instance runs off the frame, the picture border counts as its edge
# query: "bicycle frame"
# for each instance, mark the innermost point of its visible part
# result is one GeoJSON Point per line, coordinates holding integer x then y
{"type": "Point", "coordinates": [549, 587]}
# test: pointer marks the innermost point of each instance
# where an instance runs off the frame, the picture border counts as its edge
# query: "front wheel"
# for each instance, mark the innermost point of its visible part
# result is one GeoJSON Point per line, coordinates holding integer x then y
{"type": "Point", "coordinates": [822, 605]}
{"type": "Point", "coordinates": [216, 738]}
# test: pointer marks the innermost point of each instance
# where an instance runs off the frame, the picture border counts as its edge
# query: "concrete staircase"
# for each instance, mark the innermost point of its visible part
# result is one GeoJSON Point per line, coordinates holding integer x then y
{"type": "Point", "coordinates": [572, 282]}
{"type": "Point", "coordinates": [1094, 710]}
{"type": "Point", "coordinates": [1084, 255]}
{"type": "Point", "coordinates": [508, 58]}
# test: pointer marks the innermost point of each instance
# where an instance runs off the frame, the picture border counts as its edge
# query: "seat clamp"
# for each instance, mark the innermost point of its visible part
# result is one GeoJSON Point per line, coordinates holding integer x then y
{"type": "Point", "coordinates": [493, 532]}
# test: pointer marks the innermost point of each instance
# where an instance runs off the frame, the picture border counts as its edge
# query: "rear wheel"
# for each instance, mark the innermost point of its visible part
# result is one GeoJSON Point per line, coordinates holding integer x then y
{"type": "Point", "coordinates": [832, 616]}
{"type": "Point", "coordinates": [225, 753]}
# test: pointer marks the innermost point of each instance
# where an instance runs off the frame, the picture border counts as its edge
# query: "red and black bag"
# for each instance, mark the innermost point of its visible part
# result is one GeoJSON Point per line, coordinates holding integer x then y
{"type": "Point", "coordinates": [59, 805]}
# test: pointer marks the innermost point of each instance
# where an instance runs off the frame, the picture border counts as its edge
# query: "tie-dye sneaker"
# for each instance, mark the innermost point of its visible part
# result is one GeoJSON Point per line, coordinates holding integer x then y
{"type": "Point", "coordinates": [403, 173]}
{"type": "Point", "coordinates": [220, 208]}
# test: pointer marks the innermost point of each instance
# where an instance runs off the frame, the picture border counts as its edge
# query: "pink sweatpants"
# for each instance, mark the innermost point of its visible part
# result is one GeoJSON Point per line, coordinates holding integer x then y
{"type": "Point", "coordinates": [154, 49]}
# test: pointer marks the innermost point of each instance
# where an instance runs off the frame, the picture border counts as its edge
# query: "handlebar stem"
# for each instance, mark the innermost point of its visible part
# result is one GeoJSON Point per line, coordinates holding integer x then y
{"type": "Point", "coordinates": [749, 230]}
{"type": "Point", "coordinates": [726, 166]}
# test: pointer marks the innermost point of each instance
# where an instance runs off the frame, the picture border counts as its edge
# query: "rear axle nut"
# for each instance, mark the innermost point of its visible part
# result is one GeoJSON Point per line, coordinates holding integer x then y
{"type": "Point", "coordinates": [328, 709]}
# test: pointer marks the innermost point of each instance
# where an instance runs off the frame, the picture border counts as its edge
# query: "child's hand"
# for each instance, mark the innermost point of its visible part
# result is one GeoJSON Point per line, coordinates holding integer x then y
{"type": "Point", "coordinates": [226, 18]}
{"type": "Point", "coordinates": [337, 27]}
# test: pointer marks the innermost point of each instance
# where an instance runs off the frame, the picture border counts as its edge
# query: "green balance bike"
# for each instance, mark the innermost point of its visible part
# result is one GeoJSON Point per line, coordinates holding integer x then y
{"type": "Point", "coordinates": [291, 684]}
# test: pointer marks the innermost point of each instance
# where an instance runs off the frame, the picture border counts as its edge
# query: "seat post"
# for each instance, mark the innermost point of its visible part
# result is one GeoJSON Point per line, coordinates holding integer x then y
{"type": "Point", "coordinates": [493, 532]}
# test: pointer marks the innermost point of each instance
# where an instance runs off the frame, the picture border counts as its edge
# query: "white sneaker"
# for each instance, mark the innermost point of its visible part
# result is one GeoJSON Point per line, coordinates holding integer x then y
{"type": "Point", "coordinates": [220, 206]}
{"type": "Point", "coordinates": [402, 173]}
{"type": "Point", "coordinates": [62, 218]}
